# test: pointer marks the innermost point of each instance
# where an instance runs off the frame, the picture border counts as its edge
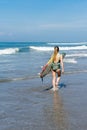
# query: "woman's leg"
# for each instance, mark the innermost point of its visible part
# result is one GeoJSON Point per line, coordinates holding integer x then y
{"type": "Point", "coordinates": [53, 79]}
{"type": "Point", "coordinates": [59, 75]}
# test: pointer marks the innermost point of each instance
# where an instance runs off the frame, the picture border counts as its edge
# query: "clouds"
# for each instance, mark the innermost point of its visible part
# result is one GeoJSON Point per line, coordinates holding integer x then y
{"type": "Point", "coordinates": [64, 25]}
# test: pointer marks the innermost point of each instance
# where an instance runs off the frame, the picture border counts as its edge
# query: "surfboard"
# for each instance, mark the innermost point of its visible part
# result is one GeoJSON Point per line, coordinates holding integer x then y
{"type": "Point", "coordinates": [47, 69]}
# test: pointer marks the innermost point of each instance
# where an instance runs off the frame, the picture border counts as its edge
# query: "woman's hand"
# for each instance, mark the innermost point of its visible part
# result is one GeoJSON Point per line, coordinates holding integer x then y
{"type": "Point", "coordinates": [62, 71]}
{"type": "Point", "coordinates": [44, 67]}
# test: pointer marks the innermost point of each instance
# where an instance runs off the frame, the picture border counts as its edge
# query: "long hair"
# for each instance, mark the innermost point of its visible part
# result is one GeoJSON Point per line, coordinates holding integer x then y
{"type": "Point", "coordinates": [56, 50]}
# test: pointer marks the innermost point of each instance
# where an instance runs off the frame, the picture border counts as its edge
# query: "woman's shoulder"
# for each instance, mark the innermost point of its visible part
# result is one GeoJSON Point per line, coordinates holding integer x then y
{"type": "Point", "coordinates": [59, 55]}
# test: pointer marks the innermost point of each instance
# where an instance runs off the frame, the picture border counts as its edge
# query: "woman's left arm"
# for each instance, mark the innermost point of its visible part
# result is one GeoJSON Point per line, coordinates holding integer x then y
{"type": "Point", "coordinates": [62, 64]}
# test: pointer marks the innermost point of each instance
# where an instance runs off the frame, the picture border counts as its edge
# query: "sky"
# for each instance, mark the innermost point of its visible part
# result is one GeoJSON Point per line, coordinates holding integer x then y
{"type": "Point", "coordinates": [43, 20]}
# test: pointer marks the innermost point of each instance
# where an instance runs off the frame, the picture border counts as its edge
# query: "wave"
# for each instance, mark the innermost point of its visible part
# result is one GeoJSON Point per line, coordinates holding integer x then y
{"type": "Point", "coordinates": [69, 43]}
{"type": "Point", "coordinates": [61, 48]}
{"type": "Point", "coordinates": [77, 55]}
{"type": "Point", "coordinates": [74, 48]}
{"type": "Point", "coordinates": [70, 61]}
{"type": "Point", "coordinates": [41, 48]}
{"type": "Point", "coordinates": [37, 76]}
{"type": "Point", "coordinates": [9, 51]}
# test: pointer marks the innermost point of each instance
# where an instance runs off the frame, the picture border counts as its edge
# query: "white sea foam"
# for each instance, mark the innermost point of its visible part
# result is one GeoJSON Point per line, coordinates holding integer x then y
{"type": "Point", "coordinates": [61, 48]}
{"type": "Point", "coordinates": [77, 55]}
{"type": "Point", "coordinates": [74, 48]}
{"type": "Point", "coordinates": [70, 61]}
{"type": "Point", "coordinates": [71, 43]}
{"type": "Point", "coordinates": [42, 48]}
{"type": "Point", "coordinates": [9, 51]}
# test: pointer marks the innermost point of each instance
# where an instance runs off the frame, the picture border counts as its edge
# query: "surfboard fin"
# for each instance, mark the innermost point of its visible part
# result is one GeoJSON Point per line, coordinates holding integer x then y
{"type": "Point", "coordinates": [42, 80]}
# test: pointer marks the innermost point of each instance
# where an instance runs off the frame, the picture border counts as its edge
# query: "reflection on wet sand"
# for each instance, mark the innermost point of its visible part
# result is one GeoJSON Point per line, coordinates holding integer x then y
{"type": "Point", "coordinates": [55, 114]}
{"type": "Point", "coordinates": [59, 113]}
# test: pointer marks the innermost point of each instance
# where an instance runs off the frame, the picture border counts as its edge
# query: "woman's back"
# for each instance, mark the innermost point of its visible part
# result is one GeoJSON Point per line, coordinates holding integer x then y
{"type": "Point", "coordinates": [56, 58]}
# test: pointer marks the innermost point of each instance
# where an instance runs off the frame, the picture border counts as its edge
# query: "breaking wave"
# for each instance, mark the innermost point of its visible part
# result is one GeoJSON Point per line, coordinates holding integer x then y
{"type": "Point", "coordinates": [71, 43]}
{"type": "Point", "coordinates": [9, 51]}
{"type": "Point", "coordinates": [61, 48]}
{"type": "Point", "coordinates": [70, 61]}
{"type": "Point", "coordinates": [77, 55]}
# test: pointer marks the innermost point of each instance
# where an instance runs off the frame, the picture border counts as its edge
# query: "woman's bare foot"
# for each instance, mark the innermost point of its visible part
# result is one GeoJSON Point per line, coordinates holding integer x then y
{"type": "Point", "coordinates": [56, 84]}
{"type": "Point", "coordinates": [54, 89]}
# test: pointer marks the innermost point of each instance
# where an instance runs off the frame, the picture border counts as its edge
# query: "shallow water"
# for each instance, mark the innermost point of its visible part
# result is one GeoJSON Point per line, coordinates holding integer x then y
{"type": "Point", "coordinates": [26, 103]}
{"type": "Point", "coordinates": [24, 59]}
{"type": "Point", "coordinates": [29, 104]}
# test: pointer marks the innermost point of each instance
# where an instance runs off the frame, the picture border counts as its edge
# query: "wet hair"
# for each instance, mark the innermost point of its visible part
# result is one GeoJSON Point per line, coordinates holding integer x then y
{"type": "Point", "coordinates": [57, 48]}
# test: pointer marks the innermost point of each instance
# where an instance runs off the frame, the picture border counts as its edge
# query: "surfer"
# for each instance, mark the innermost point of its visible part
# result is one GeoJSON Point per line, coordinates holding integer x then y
{"type": "Point", "coordinates": [57, 67]}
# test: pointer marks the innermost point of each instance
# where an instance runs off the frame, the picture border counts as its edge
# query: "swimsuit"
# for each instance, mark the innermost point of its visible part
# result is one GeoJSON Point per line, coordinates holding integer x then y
{"type": "Point", "coordinates": [55, 66]}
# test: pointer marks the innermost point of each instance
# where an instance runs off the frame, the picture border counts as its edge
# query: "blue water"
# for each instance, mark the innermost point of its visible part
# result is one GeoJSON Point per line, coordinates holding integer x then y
{"type": "Point", "coordinates": [24, 59]}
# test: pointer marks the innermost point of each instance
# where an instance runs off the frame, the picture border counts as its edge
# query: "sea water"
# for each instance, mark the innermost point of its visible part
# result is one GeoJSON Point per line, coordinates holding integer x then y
{"type": "Point", "coordinates": [24, 59]}
{"type": "Point", "coordinates": [26, 104]}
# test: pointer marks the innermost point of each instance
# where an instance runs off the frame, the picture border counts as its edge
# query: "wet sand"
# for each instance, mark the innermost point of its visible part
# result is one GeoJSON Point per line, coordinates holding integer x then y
{"type": "Point", "coordinates": [30, 105]}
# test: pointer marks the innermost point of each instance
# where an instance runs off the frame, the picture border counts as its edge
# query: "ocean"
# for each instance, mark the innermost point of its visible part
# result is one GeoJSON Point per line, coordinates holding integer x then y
{"type": "Point", "coordinates": [22, 60]}
{"type": "Point", "coordinates": [27, 103]}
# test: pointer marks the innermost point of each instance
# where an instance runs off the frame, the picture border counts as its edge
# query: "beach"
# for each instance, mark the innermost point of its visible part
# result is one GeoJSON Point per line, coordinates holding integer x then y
{"type": "Point", "coordinates": [27, 103]}
{"type": "Point", "coordinates": [31, 34]}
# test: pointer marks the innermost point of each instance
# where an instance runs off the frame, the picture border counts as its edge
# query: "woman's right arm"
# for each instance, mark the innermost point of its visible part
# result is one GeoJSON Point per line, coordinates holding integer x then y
{"type": "Point", "coordinates": [49, 62]}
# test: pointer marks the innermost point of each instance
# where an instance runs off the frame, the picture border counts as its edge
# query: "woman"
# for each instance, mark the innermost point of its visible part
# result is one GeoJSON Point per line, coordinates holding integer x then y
{"type": "Point", "coordinates": [56, 68]}
{"type": "Point", "coordinates": [56, 62]}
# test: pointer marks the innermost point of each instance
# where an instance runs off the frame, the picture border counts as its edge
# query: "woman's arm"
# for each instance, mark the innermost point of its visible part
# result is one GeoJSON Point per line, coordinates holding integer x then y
{"type": "Point", "coordinates": [49, 62]}
{"type": "Point", "coordinates": [62, 64]}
